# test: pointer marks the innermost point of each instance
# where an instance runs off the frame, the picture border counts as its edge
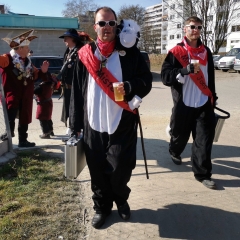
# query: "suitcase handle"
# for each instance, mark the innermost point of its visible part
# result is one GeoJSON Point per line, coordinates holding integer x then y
{"type": "Point", "coordinates": [223, 117]}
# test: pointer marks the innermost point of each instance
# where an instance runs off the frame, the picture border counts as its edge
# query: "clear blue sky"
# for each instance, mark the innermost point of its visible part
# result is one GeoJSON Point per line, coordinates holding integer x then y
{"type": "Point", "coordinates": [54, 7]}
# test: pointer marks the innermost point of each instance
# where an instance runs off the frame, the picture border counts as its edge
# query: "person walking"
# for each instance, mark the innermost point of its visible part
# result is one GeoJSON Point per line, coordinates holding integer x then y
{"type": "Point", "coordinates": [109, 126]}
{"type": "Point", "coordinates": [19, 74]}
{"type": "Point", "coordinates": [188, 69]}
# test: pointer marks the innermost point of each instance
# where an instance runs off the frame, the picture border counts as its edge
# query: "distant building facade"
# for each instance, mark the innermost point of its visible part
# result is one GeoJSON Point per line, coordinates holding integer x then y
{"type": "Point", "coordinates": [47, 29]}
{"type": "Point", "coordinates": [168, 18]}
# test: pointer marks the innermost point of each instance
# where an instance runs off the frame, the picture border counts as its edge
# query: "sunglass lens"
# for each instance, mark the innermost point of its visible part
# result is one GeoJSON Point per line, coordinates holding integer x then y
{"type": "Point", "coordinates": [199, 27]}
{"type": "Point", "coordinates": [112, 23]}
{"type": "Point", "coordinates": [101, 23]}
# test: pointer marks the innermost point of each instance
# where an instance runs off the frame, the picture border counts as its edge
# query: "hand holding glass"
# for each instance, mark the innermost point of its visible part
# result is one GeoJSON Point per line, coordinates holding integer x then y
{"type": "Point", "coordinates": [195, 62]}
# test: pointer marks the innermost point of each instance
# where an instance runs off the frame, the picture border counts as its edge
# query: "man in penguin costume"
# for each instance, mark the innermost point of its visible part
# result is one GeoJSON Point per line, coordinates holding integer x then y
{"type": "Point", "coordinates": [109, 126]}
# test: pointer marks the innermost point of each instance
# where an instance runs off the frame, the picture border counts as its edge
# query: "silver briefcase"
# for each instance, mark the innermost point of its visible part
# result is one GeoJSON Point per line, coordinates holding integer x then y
{"type": "Point", "coordinates": [74, 155]}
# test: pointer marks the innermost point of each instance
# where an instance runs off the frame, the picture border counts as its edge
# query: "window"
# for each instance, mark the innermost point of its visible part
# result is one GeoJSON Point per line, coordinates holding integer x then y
{"type": "Point", "coordinates": [210, 18]}
{"type": "Point", "coordinates": [171, 16]}
{"type": "Point", "coordinates": [236, 28]}
{"type": "Point", "coordinates": [171, 37]}
{"type": "Point", "coordinates": [172, 6]}
{"type": "Point", "coordinates": [178, 36]}
{"type": "Point", "coordinates": [164, 37]}
{"type": "Point", "coordinates": [179, 25]}
{"type": "Point", "coordinates": [164, 47]}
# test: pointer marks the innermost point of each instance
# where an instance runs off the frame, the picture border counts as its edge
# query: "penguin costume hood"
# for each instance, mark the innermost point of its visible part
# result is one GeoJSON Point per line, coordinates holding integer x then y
{"type": "Point", "coordinates": [128, 33]}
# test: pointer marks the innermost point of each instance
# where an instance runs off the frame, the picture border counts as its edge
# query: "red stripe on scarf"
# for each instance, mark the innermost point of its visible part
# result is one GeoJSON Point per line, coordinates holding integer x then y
{"type": "Point", "coordinates": [104, 79]}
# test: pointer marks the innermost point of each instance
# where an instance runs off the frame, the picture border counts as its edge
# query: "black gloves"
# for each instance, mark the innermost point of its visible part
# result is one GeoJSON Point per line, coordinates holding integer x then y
{"type": "Point", "coordinates": [215, 98]}
{"type": "Point", "coordinates": [187, 70]}
{"type": "Point", "coordinates": [127, 87]}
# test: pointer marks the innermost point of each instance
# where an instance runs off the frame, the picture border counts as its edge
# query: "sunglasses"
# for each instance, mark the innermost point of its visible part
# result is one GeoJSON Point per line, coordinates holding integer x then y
{"type": "Point", "coordinates": [194, 27]}
{"type": "Point", "coordinates": [111, 23]}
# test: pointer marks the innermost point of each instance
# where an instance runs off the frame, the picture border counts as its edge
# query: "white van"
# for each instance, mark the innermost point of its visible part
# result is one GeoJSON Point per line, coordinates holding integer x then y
{"type": "Point", "coordinates": [227, 62]}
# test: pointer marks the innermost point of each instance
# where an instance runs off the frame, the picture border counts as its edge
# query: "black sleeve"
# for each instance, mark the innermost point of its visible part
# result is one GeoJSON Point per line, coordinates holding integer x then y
{"type": "Point", "coordinates": [211, 74]}
{"type": "Point", "coordinates": [139, 76]}
{"type": "Point", "coordinates": [170, 69]}
{"type": "Point", "coordinates": [76, 112]}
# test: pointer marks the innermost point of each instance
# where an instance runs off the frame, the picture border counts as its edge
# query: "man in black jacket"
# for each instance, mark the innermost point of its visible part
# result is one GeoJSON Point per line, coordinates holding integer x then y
{"type": "Point", "coordinates": [73, 43]}
{"type": "Point", "coordinates": [188, 69]}
{"type": "Point", "coordinates": [109, 126]}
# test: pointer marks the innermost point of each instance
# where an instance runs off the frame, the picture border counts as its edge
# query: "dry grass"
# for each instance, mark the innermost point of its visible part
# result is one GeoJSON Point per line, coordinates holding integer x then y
{"type": "Point", "coordinates": [37, 202]}
{"type": "Point", "coordinates": [156, 61]}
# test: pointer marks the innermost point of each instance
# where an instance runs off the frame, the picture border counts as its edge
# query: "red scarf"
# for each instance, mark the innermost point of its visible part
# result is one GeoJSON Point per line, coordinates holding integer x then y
{"type": "Point", "coordinates": [106, 48]}
{"type": "Point", "coordinates": [104, 79]}
{"type": "Point", "coordinates": [182, 55]}
{"type": "Point", "coordinates": [199, 53]}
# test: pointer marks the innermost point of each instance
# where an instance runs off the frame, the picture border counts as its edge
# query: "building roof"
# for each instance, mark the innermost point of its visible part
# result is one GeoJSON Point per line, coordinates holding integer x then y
{"type": "Point", "coordinates": [37, 22]}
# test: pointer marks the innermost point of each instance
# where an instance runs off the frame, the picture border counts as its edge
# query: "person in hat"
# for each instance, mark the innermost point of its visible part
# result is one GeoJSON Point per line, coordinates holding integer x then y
{"type": "Point", "coordinates": [194, 97]}
{"type": "Point", "coordinates": [73, 43]}
{"type": "Point", "coordinates": [18, 74]}
{"type": "Point", "coordinates": [109, 126]}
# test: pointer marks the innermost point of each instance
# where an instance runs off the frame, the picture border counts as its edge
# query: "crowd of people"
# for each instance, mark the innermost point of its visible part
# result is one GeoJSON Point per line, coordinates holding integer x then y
{"type": "Point", "coordinates": [109, 126]}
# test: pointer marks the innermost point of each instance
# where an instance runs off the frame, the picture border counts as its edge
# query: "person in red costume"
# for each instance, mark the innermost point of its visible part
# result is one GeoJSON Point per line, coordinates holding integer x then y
{"type": "Point", "coordinates": [18, 74]}
{"type": "Point", "coordinates": [194, 98]}
{"type": "Point", "coordinates": [43, 93]}
{"type": "Point", "coordinates": [109, 126]}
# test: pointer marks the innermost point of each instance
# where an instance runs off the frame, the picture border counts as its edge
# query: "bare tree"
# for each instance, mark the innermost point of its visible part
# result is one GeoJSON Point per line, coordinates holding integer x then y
{"type": "Point", "coordinates": [134, 12]}
{"type": "Point", "coordinates": [83, 10]}
{"type": "Point", "coordinates": [150, 39]}
{"type": "Point", "coordinates": [217, 17]}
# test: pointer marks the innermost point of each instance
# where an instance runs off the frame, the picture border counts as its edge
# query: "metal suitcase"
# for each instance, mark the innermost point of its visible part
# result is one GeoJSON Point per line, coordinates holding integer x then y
{"type": "Point", "coordinates": [74, 156]}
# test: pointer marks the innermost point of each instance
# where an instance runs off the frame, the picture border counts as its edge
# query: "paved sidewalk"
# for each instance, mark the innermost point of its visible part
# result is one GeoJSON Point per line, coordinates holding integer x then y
{"type": "Point", "coordinates": [171, 204]}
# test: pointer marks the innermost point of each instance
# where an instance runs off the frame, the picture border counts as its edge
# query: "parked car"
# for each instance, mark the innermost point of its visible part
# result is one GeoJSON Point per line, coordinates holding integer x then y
{"type": "Point", "coordinates": [55, 65]}
{"type": "Point", "coordinates": [227, 61]}
{"type": "Point", "coordinates": [215, 56]}
{"type": "Point", "coordinates": [215, 61]}
{"type": "Point", "coordinates": [146, 57]}
{"type": "Point", "coordinates": [236, 65]}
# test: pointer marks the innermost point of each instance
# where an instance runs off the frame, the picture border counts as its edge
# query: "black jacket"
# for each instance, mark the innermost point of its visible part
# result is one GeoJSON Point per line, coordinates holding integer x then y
{"type": "Point", "coordinates": [134, 70]}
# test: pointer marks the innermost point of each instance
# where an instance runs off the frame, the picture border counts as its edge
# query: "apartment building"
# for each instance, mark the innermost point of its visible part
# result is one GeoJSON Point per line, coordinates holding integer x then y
{"type": "Point", "coordinates": [168, 19]}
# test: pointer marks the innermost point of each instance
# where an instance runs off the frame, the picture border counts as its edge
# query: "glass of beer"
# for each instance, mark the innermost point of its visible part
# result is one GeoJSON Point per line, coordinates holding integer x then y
{"type": "Point", "coordinates": [117, 95]}
{"type": "Point", "coordinates": [195, 62]}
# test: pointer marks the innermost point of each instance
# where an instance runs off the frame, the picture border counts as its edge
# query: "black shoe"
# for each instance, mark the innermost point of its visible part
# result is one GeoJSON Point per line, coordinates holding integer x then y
{"type": "Point", "coordinates": [176, 159]}
{"type": "Point", "coordinates": [52, 133]}
{"type": "Point", "coordinates": [44, 136]}
{"type": "Point", "coordinates": [26, 144]}
{"type": "Point", "coordinates": [99, 219]}
{"type": "Point", "coordinates": [12, 134]}
{"type": "Point", "coordinates": [124, 211]}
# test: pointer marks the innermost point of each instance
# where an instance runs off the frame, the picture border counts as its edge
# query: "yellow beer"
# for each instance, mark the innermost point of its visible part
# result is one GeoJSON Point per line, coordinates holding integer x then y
{"type": "Point", "coordinates": [117, 95]}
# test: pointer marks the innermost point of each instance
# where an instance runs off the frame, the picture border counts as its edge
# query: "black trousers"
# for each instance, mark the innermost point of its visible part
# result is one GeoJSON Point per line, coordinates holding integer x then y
{"type": "Point", "coordinates": [111, 159]}
{"type": "Point", "coordinates": [201, 123]}
{"type": "Point", "coordinates": [65, 107]}
{"type": "Point", "coordinates": [22, 128]}
{"type": "Point", "coordinates": [46, 126]}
